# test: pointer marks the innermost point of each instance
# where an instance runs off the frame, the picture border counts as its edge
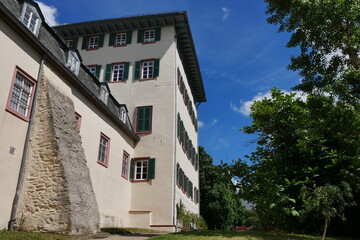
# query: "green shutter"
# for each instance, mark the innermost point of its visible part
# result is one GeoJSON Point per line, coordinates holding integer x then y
{"type": "Point", "coordinates": [128, 37]}
{"type": "Point", "coordinates": [144, 115]}
{"type": "Point", "coordinates": [140, 38]}
{"type": "Point", "coordinates": [137, 70]}
{"type": "Point", "coordinates": [108, 73]}
{"type": "Point", "coordinates": [182, 132]}
{"type": "Point", "coordinates": [101, 40]}
{"type": "Point", "coordinates": [178, 174]}
{"type": "Point", "coordinates": [97, 72]}
{"type": "Point", "coordinates": [126, 71]}
{"type": "Point", "coordinates": [156, 67]}
{"type": "Point", "coordinates": [85, 42]}
{"type": "Point", "coordinates": [181, 179]}
{"type": "Point", "coordinates": [178, 125]}
{"type": "Point", "coordinates": [132, 162]}
{"type": "Point", "coordinates": [75, 42]}
{"type": "Point", "coordinates": [157, 34]}
{"type": "Point", "coordinates": [112, 39]}
{"type": "Point", "coordinates": [152, 168]}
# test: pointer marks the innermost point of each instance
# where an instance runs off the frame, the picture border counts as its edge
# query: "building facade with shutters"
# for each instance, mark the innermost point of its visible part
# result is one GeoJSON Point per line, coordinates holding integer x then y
{"type": "Point", "coordinates": [108, 116]}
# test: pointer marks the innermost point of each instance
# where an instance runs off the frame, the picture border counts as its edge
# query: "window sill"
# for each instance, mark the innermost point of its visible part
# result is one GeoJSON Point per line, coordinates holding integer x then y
{"type": "Point", "coordinates": [103, 164]}
{"type": "Point", "coordinates": [91, 49]}
{"type": "Point", "coordinates": [143, 132]}
{"type": "Point", "coordinates": [124, 177]}
{"type": "Point", "coordinates": [145, 79]}
{"type": "Point", "coordinates": [144, 43]}
{"type": "Point", "coordinates": [124, 45]}
{"type": "Point", "coordinates": [121, 81]}
{"type": "Point", "coordinates": [135, 181]}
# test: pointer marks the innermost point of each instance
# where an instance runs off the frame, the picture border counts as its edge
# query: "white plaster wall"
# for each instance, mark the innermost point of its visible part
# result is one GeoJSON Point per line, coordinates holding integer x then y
{"type": "Point", "coordinates": [15, 52]}
{"type": "Point", "coordinates": [181, 157]}
{"type": "Point", "coordinates": [111, 189]}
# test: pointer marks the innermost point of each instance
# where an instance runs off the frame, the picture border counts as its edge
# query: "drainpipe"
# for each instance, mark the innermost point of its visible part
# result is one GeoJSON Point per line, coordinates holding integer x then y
{"type": "Point", "coordinates": [11, 223]}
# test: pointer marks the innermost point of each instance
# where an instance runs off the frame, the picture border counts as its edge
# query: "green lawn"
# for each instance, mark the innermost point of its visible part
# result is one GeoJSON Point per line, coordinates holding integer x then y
{"type": "Point", "coordinates": [238, 235]}
{"type": "Point", "coordinates": [5, 235]}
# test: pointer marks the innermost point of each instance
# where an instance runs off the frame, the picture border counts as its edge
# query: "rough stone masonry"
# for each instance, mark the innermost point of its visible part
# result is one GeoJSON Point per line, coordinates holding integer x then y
{"type": "Point", "coordinates": [57, 194]}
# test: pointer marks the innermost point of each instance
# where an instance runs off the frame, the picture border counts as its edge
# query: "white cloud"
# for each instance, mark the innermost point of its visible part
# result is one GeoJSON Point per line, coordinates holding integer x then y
{"type": "Point", "coordinates": [244, 107]}
{"type": "Point", "coordinates": [49, 12]}
{"type": "Point", "coordinates": [224, 142]}
{"type": "Point", "coordinates": [215, 121]}
{"type": "Point", "coordinates": [200, 124]}
{"type": "Point", "coordinates": [226, 13]}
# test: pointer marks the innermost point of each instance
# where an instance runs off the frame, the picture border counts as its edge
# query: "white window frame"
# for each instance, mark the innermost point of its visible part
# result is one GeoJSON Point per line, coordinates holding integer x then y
{"type": "Point", "coordinates": [147, 69]}
{"type": "Point", "coordinates": [73, 62]}
{"type": "Point", "coordinates": [104, 147]}
{"type": "Point", "coordinates": [125, 165]}
{"type": "Point", "coordinates": [120, 39]}
{"type": "Point", "coordinates": [69, 42]}
{"type": "Point", "coordinates": [93, 42]}
{"type": "Point", "coordinates": [92, 70]}
{"type": "Point", "coordinates": [117, 72]}
{"type": "Point", "coordinates": [30, 18]}
{"type": "Point", "coordinates": [149, 35]}
{"type": "Point", "coordinates": [141, 170]}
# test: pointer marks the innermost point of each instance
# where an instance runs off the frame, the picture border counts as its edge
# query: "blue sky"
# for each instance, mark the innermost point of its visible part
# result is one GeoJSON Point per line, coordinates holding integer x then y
{"type": "Point", "coordinates": [240, 55]}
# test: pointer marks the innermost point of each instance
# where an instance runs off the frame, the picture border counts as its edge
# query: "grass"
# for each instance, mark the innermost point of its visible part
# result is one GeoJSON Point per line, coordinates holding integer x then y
{"type": "Point", "coordinates": [6, 235]}
{"type": "Point", "coordinates": [237, 235]}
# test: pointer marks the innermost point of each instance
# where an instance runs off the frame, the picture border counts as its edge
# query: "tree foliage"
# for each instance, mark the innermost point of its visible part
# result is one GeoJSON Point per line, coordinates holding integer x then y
{"type": "Point", "coordinates": [301, 144]}
{"type": "Point", "coordinates": [219, 205]}
{"type": "Point", "coordinates": [328, 35]}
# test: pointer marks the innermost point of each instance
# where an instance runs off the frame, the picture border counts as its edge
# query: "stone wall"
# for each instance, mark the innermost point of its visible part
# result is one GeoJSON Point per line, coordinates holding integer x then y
{"type": "Point", "coordinates": [57, 194]}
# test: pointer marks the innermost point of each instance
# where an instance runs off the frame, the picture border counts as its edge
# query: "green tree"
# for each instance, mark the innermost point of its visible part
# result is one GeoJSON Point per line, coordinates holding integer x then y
{"type": "Point", "coordinates": [326, 202]}
{"type": "Point", "coordinates": [328, 35]}
{"type": "Point", "coordinates": [219, 205]}
{"type": "Point", "coordinates": [300, 143]}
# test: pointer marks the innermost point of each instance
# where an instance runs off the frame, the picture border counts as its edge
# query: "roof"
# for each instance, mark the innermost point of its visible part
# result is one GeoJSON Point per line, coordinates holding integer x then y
{"type": "Point", "coordinates": [177, 19]}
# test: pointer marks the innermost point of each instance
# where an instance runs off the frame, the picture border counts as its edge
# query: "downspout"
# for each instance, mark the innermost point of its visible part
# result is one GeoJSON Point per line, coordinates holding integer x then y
{"type": "Point", "coordinates": [11, 223]}
{"type": "Point", "coordinates": [175, 139]}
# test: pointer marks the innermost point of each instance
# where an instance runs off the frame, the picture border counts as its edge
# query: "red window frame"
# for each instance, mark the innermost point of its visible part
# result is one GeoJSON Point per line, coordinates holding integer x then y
{"type": "Point", "coordinates": [78, 121]}
{"type": "Point", "coordinates": [27, 77]}
{"type": "Point", "coordinates": [107, 150]}
{"type": "Point", "coordinates": [126, 176]}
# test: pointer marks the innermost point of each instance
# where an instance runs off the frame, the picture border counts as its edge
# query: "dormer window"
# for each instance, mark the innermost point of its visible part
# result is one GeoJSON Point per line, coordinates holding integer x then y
{"type": "Point", "coordinates": [123, 115]}
{"type": "Point", "coordinates": [73, 62]}
{"type": "Point", "coordinates": [30, 18]}
{"type": "Point", "coordinates": [104, 94]}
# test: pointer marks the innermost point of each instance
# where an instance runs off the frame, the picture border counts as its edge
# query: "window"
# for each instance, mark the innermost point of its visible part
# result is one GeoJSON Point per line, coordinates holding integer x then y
{"type": "Point", "coordinates": [94, 70]}
{"type": "Point", "coordinates": [147, 69]}
{"type": "Point", "coordinates": [73, 62]}
{"type": "Point", "coordinates": [71, 43]}
{"type": "Point", "coordinates": [142, 169]}
{"type": "Point", "coordinates": [143, 119]}
{"type": "Point", "coordinates": [30, 18]}
{"type": "Point", "coordinates": [125, 165]}
{"type": "Point", "coordinates": [92, 42]}
{"type": "Point", "coordinates": [104, 148]}
{"type": "Point", "coordinates": [149, 35]}
{"type": "Point", "coordinates": [21, 94]}
{"type": "Point", "coordinates": [120, 39]}
{"type": "Point", "coordinates": [117, 72]}
{"type": "Point", "coordinates": [78, 121]}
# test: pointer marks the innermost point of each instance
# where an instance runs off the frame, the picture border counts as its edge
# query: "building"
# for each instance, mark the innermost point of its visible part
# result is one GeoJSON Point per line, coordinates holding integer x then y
{"type": "Point", "coordinates": [107, 111]}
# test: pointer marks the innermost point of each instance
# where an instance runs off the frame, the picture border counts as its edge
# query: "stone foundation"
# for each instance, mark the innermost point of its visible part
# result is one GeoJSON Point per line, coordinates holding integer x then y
{"type": "Point", "coordinates": [57, 193]}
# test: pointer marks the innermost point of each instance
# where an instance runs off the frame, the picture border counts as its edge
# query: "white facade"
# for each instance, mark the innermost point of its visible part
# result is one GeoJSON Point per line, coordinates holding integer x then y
{"type": "Point", "coordinates": [133, 164]}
